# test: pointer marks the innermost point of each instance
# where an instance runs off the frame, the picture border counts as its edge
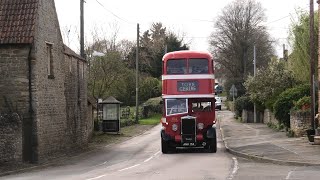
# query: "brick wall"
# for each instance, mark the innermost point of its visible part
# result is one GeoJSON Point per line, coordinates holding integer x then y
{"type": "Point", "coordinates": [13, 97]}
{"type": "Point", "coordinates": [300, 122]}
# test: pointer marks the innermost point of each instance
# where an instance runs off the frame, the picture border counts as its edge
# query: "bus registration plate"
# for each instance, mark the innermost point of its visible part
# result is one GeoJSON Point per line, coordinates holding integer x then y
{"type": "Point", "coordinates": [188, 86]}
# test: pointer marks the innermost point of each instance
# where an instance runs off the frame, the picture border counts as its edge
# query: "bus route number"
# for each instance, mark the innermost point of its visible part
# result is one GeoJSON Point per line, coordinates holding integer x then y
{"type": "Point", "coordinates": [187, 86]}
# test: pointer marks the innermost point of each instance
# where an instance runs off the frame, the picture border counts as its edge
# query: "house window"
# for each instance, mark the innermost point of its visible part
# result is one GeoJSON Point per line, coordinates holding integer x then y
{"type": "Point", "coordinates": [50, 60]}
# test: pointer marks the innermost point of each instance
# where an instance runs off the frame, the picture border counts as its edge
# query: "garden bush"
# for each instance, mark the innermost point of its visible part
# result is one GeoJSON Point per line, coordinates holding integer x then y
{"type": "Point", "coordinates": [152, 106]}
{"type": "Point", "coordinates": [303, 103]}
{"type": "Point", "coordinates": [243, 103]}
{"type": "Point", "coordinates": [285, 100]}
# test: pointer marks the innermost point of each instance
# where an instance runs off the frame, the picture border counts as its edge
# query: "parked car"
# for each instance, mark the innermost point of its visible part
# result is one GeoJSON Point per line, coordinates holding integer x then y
{"type": "Point", "coordinates": [218, 102]}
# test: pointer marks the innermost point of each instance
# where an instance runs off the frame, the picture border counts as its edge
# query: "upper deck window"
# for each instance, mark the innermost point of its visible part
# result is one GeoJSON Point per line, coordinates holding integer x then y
{"type": "Point", "coordinates": [198, 66]}
{"type": "Point", "coordinates": [177, 66]}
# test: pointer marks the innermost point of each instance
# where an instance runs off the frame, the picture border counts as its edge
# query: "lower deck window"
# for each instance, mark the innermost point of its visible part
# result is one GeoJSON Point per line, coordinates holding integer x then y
{"type": "Point", "coordinates": [176, 106]}
{"type": "Point", "coordinates": [201, 106]}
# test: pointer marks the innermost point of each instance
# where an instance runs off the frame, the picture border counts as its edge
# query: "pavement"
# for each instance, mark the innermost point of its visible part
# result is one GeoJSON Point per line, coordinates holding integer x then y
{"type": "Point", "coordinates": [259, 142]}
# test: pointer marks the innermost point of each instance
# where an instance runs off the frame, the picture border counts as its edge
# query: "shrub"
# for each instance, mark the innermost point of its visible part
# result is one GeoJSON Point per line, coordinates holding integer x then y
{"type": "Point", "coordinates": [127, 122]}
{"type": "Point", "coordinates": [150, 87]}
{"type": "Point", "coordinates": [152, 106]}
{"type": "Point", "coordinates": [285, 101]}
{"type": "Point", "coordinates": [268, 83]}
{"type": "Point", "coordinates": [242, 103]}
{"type": "Point", "coordinates": [302, 103]}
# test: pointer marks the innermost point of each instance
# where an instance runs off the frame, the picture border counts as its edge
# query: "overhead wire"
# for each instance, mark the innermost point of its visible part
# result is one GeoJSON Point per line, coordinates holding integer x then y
{"type": "Point", "coordinates": [115, 15]}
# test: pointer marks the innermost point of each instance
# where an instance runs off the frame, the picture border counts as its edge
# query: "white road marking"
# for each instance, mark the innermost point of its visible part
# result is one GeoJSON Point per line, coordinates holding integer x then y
{"type": "Point", "coordinates": [156, 153]}
{"type": "Point", "coordinates": [129, 167]}
{"type": "Point", "coordinates": [289, 174]}
{"type": "Point", "coordinates": [235, 168]}
{"type": "Point", "coordinates": [148, 159]}
{"type": "Point", "coordinates": [98, 177]}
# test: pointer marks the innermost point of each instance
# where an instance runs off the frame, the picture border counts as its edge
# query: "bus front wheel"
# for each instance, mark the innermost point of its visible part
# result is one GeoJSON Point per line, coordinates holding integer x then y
{"type": "Point", "coordinates": [212, 141]}
{"type": "Point", "coordinates": [164, 146]}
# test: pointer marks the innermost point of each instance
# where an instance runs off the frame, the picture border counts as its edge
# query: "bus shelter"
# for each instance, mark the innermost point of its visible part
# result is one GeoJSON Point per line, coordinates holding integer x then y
{"type": "Point", "coordinates": [111, 115]}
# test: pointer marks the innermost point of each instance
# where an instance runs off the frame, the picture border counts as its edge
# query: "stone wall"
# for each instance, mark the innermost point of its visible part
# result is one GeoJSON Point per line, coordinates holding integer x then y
{"type": "Point", "coordinates": [248, 116]}
{"type": "Point", "coordinates": [60, 100]}
{"type": "Point", "coordinates": [79, 127]}
{"type": "Point", "coordinates": [14, 76]}
{"type": "Point", "coordinates": [300, 122]}
{"type": "Point", "coordinates": [10, 138]}
{"type": "Point", "coordinates": [48, 92]}
{"type": "Point", "coordinates": [268, 117]}
{"type": "Point", "coordinates": [14, 97]}
{"type": "Point", "coordinates": [57, 123]}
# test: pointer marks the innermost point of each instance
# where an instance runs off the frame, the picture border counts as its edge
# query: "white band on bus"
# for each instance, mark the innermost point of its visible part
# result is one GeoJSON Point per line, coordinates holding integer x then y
{"type": "Point", "coordinates": [188, 76]}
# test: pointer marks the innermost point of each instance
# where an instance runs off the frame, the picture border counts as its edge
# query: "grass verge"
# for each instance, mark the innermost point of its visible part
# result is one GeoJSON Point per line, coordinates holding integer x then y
{"type": "Point", "coordinates": [153, 120]}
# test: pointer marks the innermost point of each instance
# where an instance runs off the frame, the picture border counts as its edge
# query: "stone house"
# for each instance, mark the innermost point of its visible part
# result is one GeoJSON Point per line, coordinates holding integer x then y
{"type": "Point", "coordinates": [42, 80]}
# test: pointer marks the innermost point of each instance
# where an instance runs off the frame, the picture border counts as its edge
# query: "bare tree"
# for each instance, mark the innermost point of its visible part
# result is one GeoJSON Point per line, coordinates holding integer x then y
{"type": "Point", "coordinates": [107, 69]}
{"type": "Point", "coordinates": [237, 30]}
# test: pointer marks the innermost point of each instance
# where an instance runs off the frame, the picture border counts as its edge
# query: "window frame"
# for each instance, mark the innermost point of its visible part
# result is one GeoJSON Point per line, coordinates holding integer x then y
{"type": "Point", "coordinates": [172, 114]}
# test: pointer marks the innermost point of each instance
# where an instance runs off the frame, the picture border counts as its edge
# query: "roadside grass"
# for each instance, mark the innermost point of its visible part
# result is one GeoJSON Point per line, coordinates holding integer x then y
{"type": "Point", "coordinates": [153, 120]}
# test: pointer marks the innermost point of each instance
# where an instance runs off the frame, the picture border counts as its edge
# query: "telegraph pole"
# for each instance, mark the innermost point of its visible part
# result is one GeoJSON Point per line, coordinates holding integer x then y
{"type": "Point", "coordinates": [311, 29]}
{"type": "Point", "coordinates": [81, 29]}
{"type": "Point", "coordinates": [318, 66]}
{"type": "Point", "coordinates": [254, 74]}
{"type": "Point", "coordinates": [137, 76]}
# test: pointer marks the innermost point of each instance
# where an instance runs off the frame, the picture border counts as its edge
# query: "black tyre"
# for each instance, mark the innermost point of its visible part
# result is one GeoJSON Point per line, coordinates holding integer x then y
{"type": "Point", "coordinates": [213, 143]}
{"type": "Point", "coordinates": [164, 146]}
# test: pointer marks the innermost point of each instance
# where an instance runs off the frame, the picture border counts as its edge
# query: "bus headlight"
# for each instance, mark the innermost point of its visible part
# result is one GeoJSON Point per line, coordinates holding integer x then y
{"type": "Point", "coordinates": [163, 120]}
{"type": "Point", "coordinates": [174, 127]}
{"type": "Point", "coordinates": [200, 126]}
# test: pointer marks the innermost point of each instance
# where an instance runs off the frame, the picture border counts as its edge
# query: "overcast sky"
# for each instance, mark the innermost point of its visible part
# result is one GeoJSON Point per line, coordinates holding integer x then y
{"type": "Point", "coordinates": [189, 18]}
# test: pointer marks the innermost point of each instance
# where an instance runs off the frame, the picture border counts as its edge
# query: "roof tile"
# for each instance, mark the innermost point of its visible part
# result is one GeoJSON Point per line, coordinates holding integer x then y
{"type": "Point", "coordinates": [17, 19]}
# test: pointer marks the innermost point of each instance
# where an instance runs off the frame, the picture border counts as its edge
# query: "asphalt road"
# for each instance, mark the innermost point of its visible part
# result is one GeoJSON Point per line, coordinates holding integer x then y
{"type": "Point", "coordinates": [140, 158]}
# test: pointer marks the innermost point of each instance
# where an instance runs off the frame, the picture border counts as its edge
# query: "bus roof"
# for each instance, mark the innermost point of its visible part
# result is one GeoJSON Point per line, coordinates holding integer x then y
{"type": "Point", "coordinates": [187, 54]}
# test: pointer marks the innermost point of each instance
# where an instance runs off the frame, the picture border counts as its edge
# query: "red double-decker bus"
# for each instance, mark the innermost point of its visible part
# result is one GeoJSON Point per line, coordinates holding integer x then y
{"type": "Point", "coordinates": [188, 118]}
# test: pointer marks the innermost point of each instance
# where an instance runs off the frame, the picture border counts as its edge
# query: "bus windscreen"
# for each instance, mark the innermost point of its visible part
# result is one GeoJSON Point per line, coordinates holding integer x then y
{"type": "Point", "coordinates": [177, 66]}
{"type": "Point", "coordinates": [198, 66]}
